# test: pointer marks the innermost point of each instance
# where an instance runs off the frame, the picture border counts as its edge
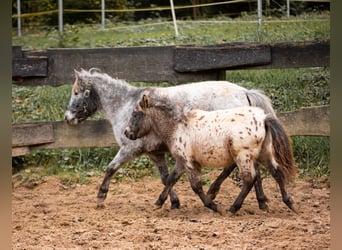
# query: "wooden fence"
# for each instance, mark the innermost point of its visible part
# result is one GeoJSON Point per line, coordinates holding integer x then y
{"type": "Point", "coordinates": [174, 64]}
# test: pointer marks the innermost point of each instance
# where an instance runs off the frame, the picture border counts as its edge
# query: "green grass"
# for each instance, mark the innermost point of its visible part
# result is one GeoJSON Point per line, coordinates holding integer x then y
{"type": "Point", "coordinates": [289, 89]}
{"type": "Point", "coordinates": [161, 32]}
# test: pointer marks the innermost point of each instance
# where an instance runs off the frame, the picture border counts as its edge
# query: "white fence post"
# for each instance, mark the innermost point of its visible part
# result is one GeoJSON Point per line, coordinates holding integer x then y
{"type": "Point", "coordinates": [174, 17]}
{"type": "Point", "coordinates": [19, 17]}
{"type": "Point", "coordinates": [259, 14]}
{"type": "Point", "coordinates": [60, 16]}
{"type": "Point", "coordinates": [103, 14]}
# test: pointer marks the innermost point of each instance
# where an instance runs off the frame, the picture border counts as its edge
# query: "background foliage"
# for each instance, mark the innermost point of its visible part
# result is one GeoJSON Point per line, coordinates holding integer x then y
{"type": "Point", "coordinates": [272, 8]}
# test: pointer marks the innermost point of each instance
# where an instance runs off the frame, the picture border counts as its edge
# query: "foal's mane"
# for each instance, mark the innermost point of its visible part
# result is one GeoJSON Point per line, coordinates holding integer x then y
{"type": "Point", "coordinates": [163, 103]}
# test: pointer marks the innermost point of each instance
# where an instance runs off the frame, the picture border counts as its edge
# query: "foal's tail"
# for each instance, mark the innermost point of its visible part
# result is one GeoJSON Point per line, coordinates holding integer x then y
{"type": "Point", "coordinates": [257, 98]}
{"type": "Point", "coordinates": [282, 150]}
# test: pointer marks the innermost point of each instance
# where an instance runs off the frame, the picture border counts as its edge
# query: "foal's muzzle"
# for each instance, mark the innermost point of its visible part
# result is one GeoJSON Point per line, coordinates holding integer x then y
{"type": "Point", "coordinates": [129, 134]}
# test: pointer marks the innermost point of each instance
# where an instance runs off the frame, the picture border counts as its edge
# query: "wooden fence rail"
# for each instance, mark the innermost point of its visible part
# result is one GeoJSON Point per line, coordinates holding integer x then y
{"type": "Point", "coordinates": [174, 64]}
{"type": "Point", "coordinates": [98, 133]}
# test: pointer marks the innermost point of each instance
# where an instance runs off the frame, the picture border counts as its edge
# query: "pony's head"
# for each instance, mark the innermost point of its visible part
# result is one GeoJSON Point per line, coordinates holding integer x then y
{"type": "Point", "coordinates": [84, 100]}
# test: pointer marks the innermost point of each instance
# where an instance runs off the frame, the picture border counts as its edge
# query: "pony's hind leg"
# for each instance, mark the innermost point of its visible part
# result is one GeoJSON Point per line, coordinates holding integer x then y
{"type": "Point", "coordinates": [159, 161]}
{"type": "Point", "coordinates": [261, 197]}
{"type": "Point", "coordinates": [280, 179]}
{"type": "Point", "coordinates": [259, 191]}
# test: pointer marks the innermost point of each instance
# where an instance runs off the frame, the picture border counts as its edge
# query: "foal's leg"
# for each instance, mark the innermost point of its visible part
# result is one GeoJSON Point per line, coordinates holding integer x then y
{"type": "Point", "coordinates": [247, 174]}
{"type": "Point", "coordinates": [246, 188]}
{"type": "Point", "coordinates": [194, 176]}
{"type": "Point", "coordinates": [171, 180]}
{"type": "Point", "coordinates": [259, 191]}
{"type": "Point", "coordinates": [215, 186]}
{"type": "Point", "coordinates": [279, 177]}
{"type": "Point", "coordinates": [159, 161]}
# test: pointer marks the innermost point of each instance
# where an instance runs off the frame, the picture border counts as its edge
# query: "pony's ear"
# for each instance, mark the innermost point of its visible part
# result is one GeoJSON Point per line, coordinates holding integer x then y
{"type": "Point", "coordinates": [77, 78]}
{"type": "Point", "coordinates": [145, 102]}
{"type": "Point", "coordinates": [77, 73]}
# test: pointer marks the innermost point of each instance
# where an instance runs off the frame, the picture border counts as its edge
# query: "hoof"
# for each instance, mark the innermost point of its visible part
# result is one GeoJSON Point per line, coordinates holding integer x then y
{"type": "Point", "coordinates": [101, 195]}
{"type": "Point", "coordinates": [233, 209]}
{"type": "Point", "coordinates": [291, 205]}
{"type": "Point", "coordinates": [219, 211]}
{"type": "Point", "coordinates": [294, 208]}
{"type": "Point", "coordinates": [175, 205]}
{"type": "Point", "coordinates": [100, 206]}
{"type": "Point", "coordinates": [157, 206]}
{"type": "Point", "coordinates": [212, 196]}
{"type": "Point", "coordinates": [159, 203]}
{"type": "Point", "coordinates": [230, 214]}
{"type": "Point", "coordinates": [100, 203]}
{"type": "Point", "coordinates": [213, 207]}
{"type": "Point", "coordinates": [263, 207]}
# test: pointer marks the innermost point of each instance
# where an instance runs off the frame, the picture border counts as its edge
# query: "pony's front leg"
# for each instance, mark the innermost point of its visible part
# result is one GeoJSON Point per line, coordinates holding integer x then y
{"type": "Point", "coordinates": [194, 176]}
{"type": "Point", "coordinates": [119, 160]}
{"type": "Point", "coordinates": [159, 161]}
{"type": "Point", "coordinates": [171, 180]}
{"type": "Point", "coordinates": [246, 188]}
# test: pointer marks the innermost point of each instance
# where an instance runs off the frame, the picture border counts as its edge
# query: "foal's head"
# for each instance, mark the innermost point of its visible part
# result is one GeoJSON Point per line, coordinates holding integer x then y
{"type": "Point", "coordinates": [150, 110]}
{"type": "Point", "coordinates": [84, 100]}
{"type": "Point", "coordinates": [139, 124]}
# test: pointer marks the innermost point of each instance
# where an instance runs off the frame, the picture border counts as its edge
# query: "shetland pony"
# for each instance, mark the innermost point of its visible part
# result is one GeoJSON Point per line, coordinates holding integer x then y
{"type": "Point", "coordinates": [197, 138]}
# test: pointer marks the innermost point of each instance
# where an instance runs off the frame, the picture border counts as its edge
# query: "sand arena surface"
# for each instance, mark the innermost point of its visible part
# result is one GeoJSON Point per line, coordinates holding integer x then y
{"type": "Point", "coordinates": [52, 215]}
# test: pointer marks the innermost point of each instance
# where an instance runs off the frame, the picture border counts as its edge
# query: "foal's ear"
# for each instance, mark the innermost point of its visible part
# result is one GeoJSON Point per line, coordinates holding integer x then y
{"type": "Point", "coordinates": [145, 102]}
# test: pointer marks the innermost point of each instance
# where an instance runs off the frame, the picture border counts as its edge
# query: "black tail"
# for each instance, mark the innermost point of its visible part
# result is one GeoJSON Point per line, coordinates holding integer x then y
{"type": "Point", "coordinates": [282, 148]}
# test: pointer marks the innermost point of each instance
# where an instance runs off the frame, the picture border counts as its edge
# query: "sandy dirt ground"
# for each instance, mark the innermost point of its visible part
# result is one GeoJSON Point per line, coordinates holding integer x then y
{"type": "Point", "coordinates": [52, 215]}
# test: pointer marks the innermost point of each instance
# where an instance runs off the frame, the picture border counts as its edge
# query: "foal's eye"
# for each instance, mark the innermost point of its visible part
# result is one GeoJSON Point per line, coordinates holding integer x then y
{"type": "Point", "coordinates": [75, 93]}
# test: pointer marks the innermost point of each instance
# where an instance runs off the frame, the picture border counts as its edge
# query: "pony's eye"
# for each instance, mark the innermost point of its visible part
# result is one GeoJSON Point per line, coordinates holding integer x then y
{"type": "Point", "coordinates": [75, 93]}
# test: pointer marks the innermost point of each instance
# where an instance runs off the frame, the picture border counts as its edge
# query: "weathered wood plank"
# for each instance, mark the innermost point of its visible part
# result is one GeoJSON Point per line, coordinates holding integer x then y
{"type": "Point", "coordinates": [174, 64]}
{"type": "Point", "coordinates": [194, 58]}
{"type": "Point", "coordinates": [91, 133]}
{"type": "Point", "coordinates": [307, 121]}
{"type": "Point", "coordinates": [17, 151]}
{"type": "Point", "coordinates": [98, 133]}
{"type": "Point", "coordinates": [29, 67]}
{"type": "Point", "coordinates": [29, 134]}
{"type": "Point", "coordinates": [252, 56]}
{"type": "Point", "coordinates": [142, 64]}
{"type": "Point", "coordinates": [300, 54]}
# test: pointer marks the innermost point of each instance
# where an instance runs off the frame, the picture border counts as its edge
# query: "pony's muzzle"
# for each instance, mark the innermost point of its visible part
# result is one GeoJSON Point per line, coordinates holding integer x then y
{"type": "Point", "coordinates": [70, 119]}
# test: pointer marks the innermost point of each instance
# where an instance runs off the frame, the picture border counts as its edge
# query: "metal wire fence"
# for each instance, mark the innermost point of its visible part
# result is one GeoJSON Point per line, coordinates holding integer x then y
{"type": "Point", "coordinates": [60, 11]}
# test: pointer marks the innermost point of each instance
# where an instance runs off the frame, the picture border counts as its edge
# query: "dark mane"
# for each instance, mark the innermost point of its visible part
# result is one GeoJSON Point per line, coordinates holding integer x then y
{"type": "Point", "coordinates": [175, 111]}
